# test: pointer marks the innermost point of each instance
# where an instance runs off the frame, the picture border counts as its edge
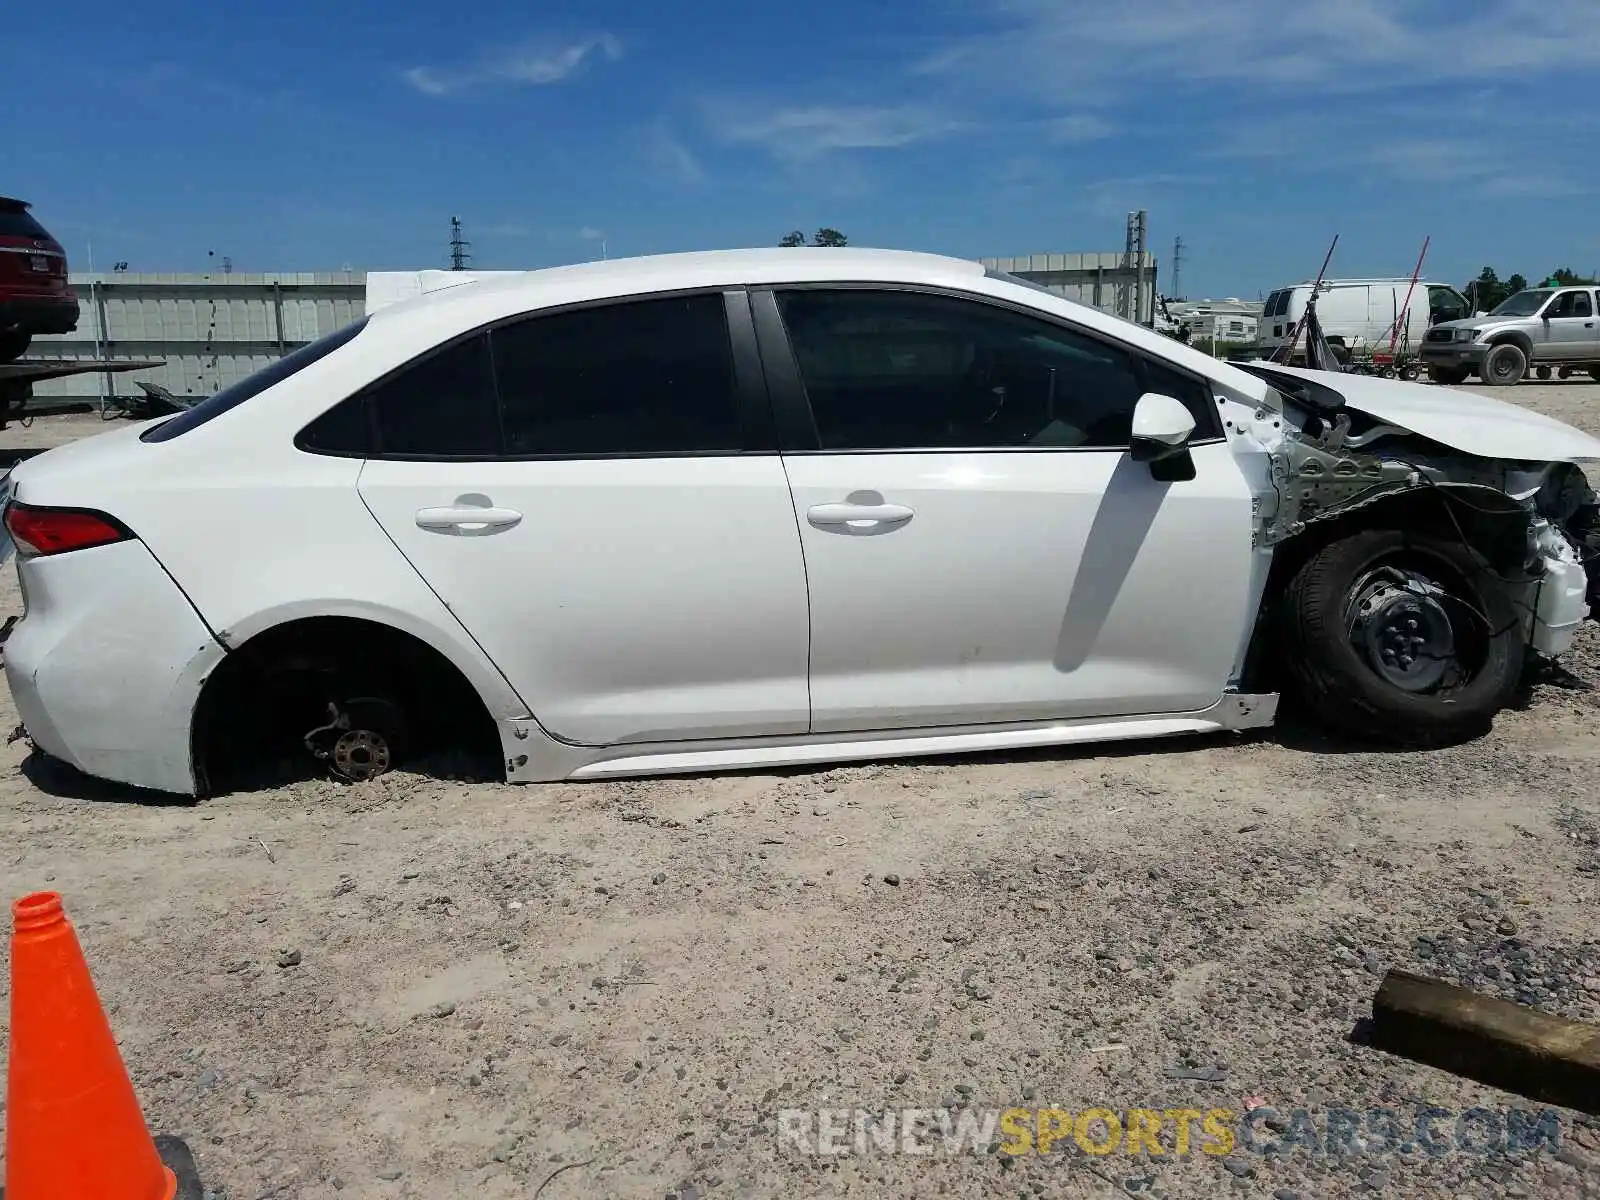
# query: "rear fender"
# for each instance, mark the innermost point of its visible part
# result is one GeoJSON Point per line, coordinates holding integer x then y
{"type": "Point", "coordinates": [497, 695]}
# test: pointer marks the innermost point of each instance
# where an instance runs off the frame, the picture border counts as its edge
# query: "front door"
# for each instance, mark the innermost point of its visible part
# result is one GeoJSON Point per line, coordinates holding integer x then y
{"type": "Point", "coordinates": [1570, 328]}
{"type": "Point", "coordinates": [586, 493]}
{"type": "Point", "coordinates": [979, 545]}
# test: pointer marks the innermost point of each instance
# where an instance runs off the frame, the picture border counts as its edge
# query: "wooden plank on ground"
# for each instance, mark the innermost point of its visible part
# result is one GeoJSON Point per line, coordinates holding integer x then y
{"type": "Point", "coordinates": [1508, 1046]}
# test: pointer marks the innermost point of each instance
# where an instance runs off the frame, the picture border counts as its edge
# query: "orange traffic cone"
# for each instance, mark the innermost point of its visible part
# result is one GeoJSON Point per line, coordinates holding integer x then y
{"type": "Point", "coordinates": [73, 1126]}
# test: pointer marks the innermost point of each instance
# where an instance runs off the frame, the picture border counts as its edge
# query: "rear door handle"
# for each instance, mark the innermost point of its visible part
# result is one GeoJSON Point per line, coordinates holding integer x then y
{"type": "Point", "coordinates": [824, 515]}
{"type": "Point", "coordinates": [466, 518]}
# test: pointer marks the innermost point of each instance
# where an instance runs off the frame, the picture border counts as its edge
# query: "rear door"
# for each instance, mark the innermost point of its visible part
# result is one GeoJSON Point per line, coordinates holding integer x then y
{"type": "Point", "coordinates": [595, 493]}
{"type": "Point", "coordinates": [980, 546]}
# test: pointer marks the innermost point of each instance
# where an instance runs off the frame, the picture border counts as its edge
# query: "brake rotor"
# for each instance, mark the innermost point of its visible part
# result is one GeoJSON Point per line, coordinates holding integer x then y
{"type": "Point", "coordinates": [360, 754]}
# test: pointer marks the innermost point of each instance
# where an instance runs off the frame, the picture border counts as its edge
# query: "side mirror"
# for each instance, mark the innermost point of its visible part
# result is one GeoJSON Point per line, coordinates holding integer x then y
{"type": "Point", "coordinates": [1162, 427]}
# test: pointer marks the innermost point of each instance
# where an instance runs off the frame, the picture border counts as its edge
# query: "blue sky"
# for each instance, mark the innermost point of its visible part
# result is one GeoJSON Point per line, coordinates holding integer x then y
{"type": "Point", "coordinates": [302, 135]}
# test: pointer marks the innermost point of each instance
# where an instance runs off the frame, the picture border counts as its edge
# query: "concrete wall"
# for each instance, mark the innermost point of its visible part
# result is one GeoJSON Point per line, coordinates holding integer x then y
{"type": "Point", "coordinates": [210, 330]}
{"type": "Point", "coordinates": [1104, 280]}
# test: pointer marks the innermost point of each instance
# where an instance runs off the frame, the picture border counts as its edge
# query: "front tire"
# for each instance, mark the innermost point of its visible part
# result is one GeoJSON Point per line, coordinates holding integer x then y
{"type": "Point", "coordinates": [1384, 638]}
{"type": "Point", "coordinates": [1505, 365]}
{"type": "Point", "coordinates": [1449, 376]}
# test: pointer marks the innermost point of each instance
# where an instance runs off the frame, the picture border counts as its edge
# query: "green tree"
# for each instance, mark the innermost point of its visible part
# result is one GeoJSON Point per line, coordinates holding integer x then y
{"type": "Point", "coordinates": [1487, 290]}
{"type": "Point", "coordinates": [1516, 284]}
{"type": "Point", "coordinates": [829, 237]}
{"type": "Point", "coordinates": [794, 238]}
{"type": "Point", "coordinates": [1566, 277]}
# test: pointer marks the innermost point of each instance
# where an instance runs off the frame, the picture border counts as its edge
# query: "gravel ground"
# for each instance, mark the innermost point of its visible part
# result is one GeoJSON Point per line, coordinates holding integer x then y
{"type": "Point", "coordinates": [426, 987]}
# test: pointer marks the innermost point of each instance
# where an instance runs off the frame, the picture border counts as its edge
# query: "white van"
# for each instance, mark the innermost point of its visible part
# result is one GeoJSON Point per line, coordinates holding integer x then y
{"type": "Point", "coordinates": [1357, 315]}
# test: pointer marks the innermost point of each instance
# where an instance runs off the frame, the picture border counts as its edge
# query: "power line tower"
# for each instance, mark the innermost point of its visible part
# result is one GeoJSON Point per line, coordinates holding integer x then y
{"type": "Point", "coordinates": [1177, 267]}
{"type": "Point", "coordinates": [459, 258]}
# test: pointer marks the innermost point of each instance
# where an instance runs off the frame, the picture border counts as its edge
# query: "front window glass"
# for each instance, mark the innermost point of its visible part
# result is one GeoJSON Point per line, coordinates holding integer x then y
{"type": "Point", "coordinates": [903, 370]}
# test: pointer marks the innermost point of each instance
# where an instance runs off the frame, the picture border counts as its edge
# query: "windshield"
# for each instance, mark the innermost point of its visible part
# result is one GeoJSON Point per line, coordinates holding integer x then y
{"type": "Point", "coordinates": [1523, 304]}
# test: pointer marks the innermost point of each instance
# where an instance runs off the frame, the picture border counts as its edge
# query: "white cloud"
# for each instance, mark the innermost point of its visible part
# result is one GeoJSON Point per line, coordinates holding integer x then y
{"type": "Point", "coordinates": [539, 63]}
{"type": "Point", "coordinates": [806, 131]}
{"type": "Point", "coordinates": [668, 156]}
{"type": "Point", "coordinates": [552, 64]}
{"type": "Point", "coordinates": [1061, 52]}
{"type": "Point", "coordinates": [1078, 127]}
{"type": "Point", "coordinates": [429, 82]}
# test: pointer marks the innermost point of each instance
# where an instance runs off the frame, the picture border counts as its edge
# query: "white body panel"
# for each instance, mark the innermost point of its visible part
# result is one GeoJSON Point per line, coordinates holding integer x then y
{"type": "Point", "coordinates": [107, 664]}
{"type": "Point", "coordinates": [1466, 421]}
{"type": "Point", "coordinates": [391, 287]}
{"type": "Point", "coordinates": [270, 539]}
{"type": "Point", "coordinates": [634, 599]}
{"type": "Point", "coordinates": [1026, 586]}
{"type": "Point", "coordinates": [676, 614]}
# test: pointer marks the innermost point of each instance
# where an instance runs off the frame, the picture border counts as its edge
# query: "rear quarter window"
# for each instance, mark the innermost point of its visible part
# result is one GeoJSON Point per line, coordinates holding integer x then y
{"type": "Point", "coordinates": [273, 373]}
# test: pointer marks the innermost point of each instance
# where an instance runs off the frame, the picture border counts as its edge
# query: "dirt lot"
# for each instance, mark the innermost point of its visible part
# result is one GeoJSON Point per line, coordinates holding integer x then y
{"type": "Point", "coordinates": [433, 988]}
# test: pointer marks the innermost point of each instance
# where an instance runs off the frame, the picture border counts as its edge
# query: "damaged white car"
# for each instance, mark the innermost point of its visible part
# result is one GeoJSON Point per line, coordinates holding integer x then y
{"type": "Point", "coordinates": [753, 508]}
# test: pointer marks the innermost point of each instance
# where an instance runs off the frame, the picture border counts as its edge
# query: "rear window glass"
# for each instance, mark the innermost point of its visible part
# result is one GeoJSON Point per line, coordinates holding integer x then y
{"type": "Point", "coordinates": [273, 373]}
{"type": "Point", "coordinates": [18, 222]}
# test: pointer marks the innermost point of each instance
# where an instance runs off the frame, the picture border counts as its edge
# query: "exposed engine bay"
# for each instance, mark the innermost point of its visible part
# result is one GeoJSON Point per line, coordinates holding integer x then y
{"type": "Point", "coordinates": [1536, 525]}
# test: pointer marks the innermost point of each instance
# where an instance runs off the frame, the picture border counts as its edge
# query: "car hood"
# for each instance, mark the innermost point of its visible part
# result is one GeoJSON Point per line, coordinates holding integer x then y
{"type": "Point", "coordinates": [1478, 425]}
{"type": "Point", "coordinates": [1482, 322]}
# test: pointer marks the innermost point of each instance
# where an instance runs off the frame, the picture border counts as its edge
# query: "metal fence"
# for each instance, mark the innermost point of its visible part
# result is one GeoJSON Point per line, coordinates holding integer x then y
{"type": "Point", "coordinates": [208, 330]}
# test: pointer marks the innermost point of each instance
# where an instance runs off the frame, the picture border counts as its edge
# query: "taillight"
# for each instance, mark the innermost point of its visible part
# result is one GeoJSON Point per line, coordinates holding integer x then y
{"type": "Point", "coordinates": [39, 531]}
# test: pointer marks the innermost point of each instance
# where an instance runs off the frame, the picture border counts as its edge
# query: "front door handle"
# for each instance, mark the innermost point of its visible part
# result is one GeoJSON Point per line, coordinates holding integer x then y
{"type": "Point", "coordinates": [859, 515]}
{"type": "Point", "coordinates": [466, 519]}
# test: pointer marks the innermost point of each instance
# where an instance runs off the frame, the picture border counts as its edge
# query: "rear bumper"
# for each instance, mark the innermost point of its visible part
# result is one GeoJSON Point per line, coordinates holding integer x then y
{"type": "Point", "coordinates": [107, 664]}
{"type": "Point", "coordinates": [39, 314]}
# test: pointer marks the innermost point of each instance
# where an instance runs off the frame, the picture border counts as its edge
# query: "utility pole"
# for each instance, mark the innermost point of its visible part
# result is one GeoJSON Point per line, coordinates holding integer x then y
{"type": "Point", "coordinates": [1177, 267]}
{"type": "Point", "coordinates": [459, 258]}
{"type": "Point", "coordinates": [1135, 250]}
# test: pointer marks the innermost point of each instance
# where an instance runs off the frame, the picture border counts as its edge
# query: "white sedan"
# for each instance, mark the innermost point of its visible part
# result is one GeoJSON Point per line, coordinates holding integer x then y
{"type": "Point", "coordinates": [752, 508]}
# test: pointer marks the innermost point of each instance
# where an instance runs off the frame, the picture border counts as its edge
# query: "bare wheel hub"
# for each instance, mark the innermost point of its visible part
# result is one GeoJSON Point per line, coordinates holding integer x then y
{"type": "Point", "coordinates": [360, 754]}
{"type": "Point", "coordinates": [358, 742]}
{"type": "Point", "coordinates": [1398, 622]}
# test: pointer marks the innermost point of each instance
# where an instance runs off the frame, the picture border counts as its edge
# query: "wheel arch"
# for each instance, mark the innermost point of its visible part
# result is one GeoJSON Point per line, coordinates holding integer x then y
{"type": "Point", "coordinates": [455, 645]}
{"type": "Point", "coordinates": [1517, 338]}
{"type": "Point", "coordinates": [303, 641]}
{"type": "Point", "coordinates": [1483, 518]}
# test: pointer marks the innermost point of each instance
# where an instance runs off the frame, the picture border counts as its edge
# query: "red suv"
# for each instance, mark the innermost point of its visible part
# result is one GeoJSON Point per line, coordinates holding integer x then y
{"type": "Point", "coordinates": [34, 294]}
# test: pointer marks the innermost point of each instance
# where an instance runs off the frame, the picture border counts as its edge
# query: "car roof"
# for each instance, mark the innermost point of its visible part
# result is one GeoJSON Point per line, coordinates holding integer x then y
{"type": "Point", "coordinates": [551, 286]}
{"type": "Point", "coordinates": [1401, 281]}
